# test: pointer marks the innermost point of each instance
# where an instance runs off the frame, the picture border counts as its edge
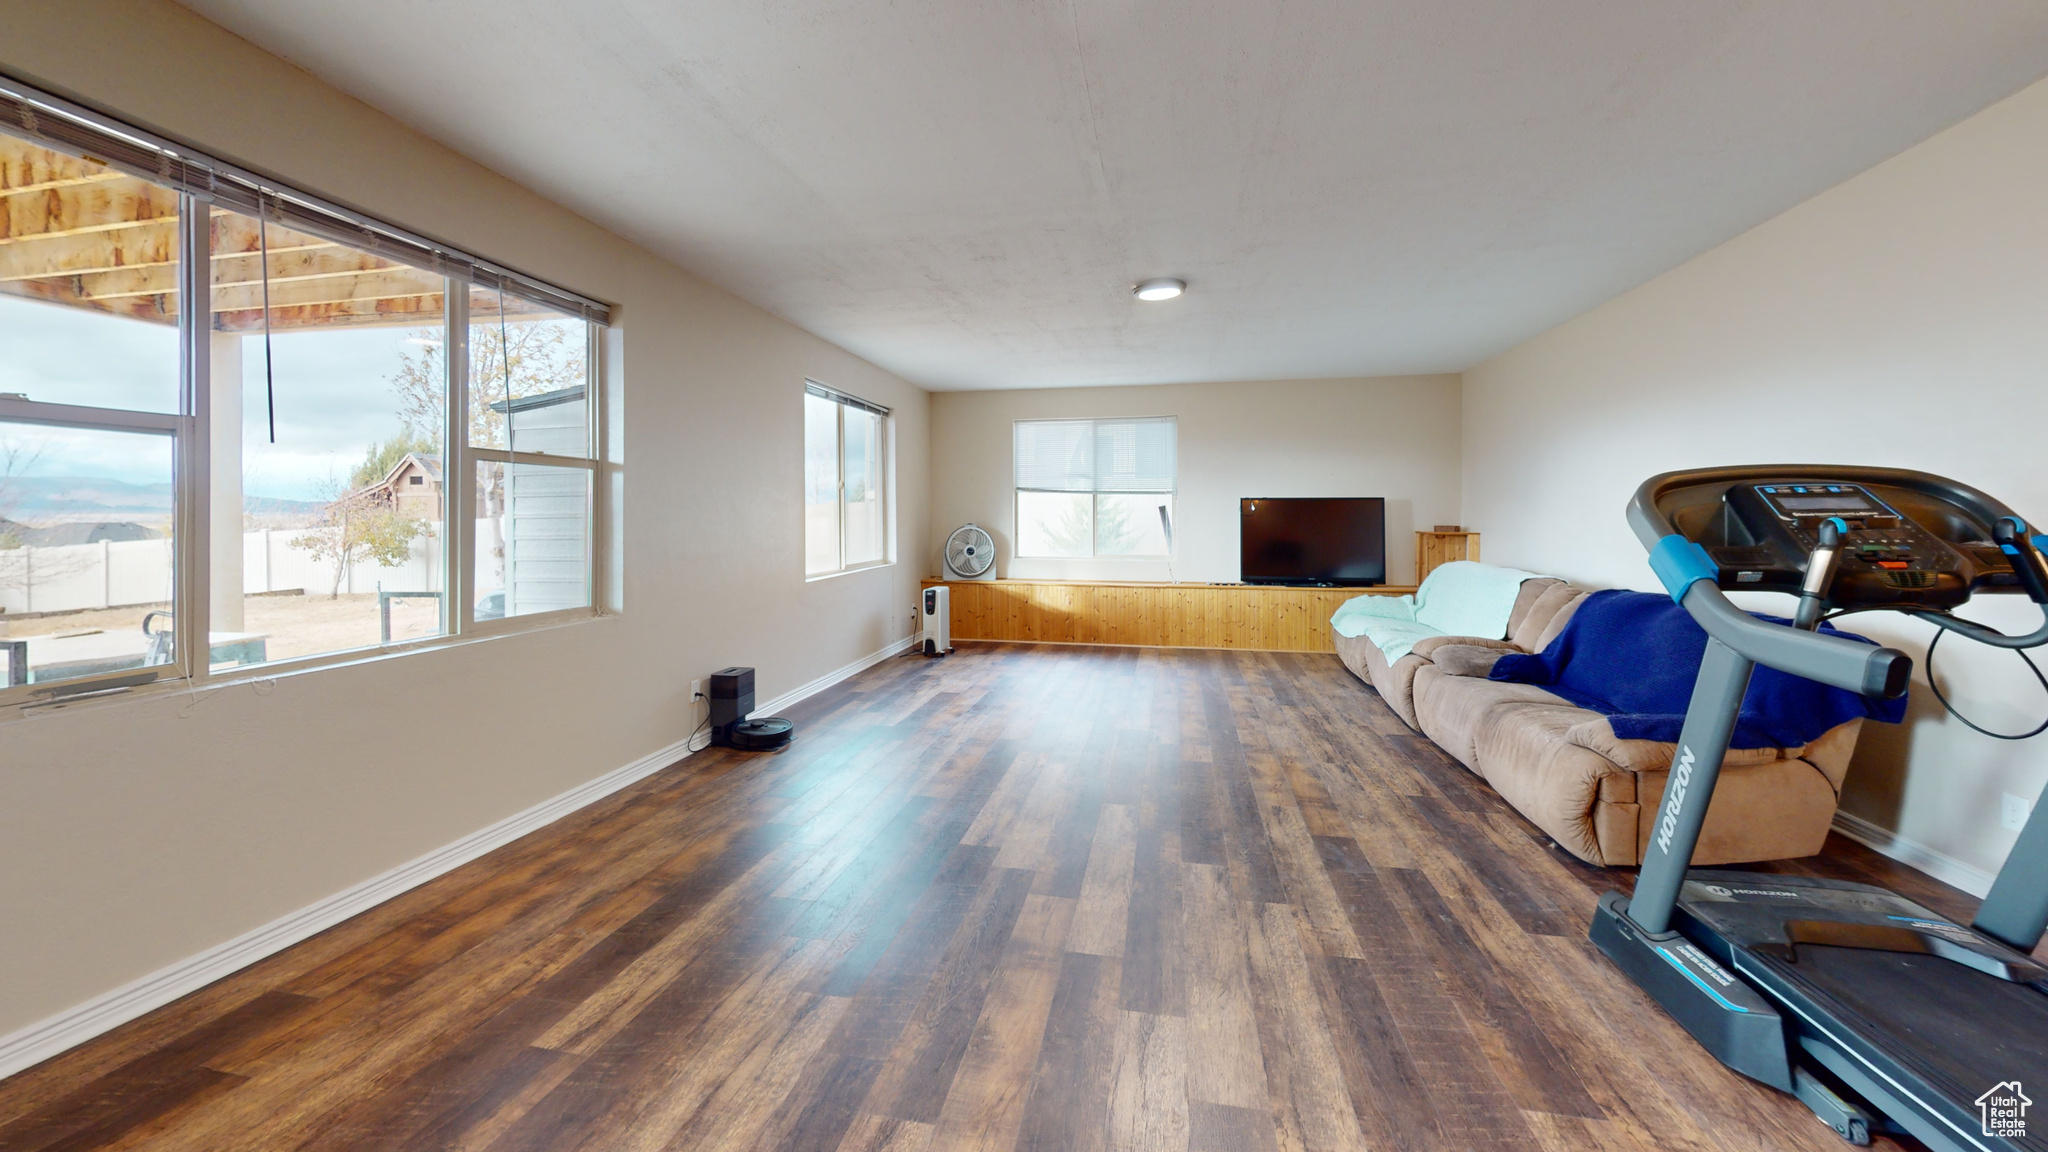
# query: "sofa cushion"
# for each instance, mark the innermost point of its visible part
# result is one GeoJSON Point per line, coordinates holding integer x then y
{"type": "Point", "coordinates": [1393, 683]}
{"type": "Point", "coordinates": [1655, 755]}
{"type": "Point", "coordinates": [1546, 616]}
{"type": "Point", "coordinates": [1427, 648]}
{"type": "Point", "coordinates": [1522, 750]}
{"type": "Point", "coordinates": [1465, 659]}
{"type": "Point", "coordinates": [1562, 618]}
{"type": "Point", "coordinates": [1832, 751]}
{"type": "Point", "coordinates": [1532, 591]}
{"type": "Point", "coordinates": [1772, 811]}
{"type": "Point", "coordinates": [1450, 709]}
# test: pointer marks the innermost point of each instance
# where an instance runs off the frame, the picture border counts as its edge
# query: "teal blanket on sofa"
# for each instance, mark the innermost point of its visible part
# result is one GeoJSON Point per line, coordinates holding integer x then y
{"type": "Point", "coordinates": [1462, 598]}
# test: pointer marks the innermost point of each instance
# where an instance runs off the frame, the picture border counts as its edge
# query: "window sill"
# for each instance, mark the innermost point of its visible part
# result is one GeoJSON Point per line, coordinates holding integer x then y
{"type": "Point", "coordinates": [26, 707]}
{"type": "Point", "coordinates": [849, 571]}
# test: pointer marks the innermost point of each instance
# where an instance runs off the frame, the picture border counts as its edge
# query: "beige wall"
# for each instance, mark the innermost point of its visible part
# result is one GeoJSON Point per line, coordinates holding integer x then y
{"type": "Point", "coordinates": [135, 833]}
{"type": "Point", "coordinates": [1899, 319]}
{"type": "Point", "coordinates": [1395, 437]}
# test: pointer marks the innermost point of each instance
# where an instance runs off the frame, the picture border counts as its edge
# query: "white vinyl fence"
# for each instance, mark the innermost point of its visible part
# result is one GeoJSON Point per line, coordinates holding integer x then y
{"type": "Point", "coordinates": [111, 574]}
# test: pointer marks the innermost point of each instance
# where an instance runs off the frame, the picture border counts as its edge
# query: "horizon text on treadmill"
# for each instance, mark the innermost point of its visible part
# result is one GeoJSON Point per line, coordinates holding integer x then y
{"type": "Point", "coordinates": [1681, 775]}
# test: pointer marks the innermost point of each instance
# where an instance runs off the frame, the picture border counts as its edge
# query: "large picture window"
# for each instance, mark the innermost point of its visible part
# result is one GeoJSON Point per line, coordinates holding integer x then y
{"type": "Point", "coordinates": [1094, 487]}
{"type": "Point", "coordinates": [361, 439]}
{"type": "Point", "coordinates": [846, 514]}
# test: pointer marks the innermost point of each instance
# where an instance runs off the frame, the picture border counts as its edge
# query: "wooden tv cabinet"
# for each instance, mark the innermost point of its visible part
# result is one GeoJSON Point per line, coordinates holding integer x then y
{"type": "Point", "coordinates": [1258, 617]}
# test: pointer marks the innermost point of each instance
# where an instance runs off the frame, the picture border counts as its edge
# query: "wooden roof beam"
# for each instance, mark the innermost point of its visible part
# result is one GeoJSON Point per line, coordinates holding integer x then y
{"type": "Point", "coordinates": [99, 253]}
{"type": "Point", "coordinates": [65, 182]}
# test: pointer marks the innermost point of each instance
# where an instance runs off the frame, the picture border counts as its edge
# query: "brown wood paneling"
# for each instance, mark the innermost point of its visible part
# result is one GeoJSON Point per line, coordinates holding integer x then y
{"type": "Point", "coordinates": [1238, 616]}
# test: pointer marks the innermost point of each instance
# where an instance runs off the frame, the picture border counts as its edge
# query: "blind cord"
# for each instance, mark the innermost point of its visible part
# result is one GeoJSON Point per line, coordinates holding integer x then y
{"type": "Point", "coordinates": [505, 365]}
{"type": "Point", "coordinates": [269, 369]}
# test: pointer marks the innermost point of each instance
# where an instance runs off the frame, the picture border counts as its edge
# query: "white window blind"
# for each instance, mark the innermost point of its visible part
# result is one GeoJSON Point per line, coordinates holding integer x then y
{"type": "Point", "coordinates": [1135, 455]}
{"type": "Point", "coordinates": [38, 115]}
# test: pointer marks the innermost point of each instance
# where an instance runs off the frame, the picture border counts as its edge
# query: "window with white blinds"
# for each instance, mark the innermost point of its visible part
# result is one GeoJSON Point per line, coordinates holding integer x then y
{"type": "Point", "coordinates": [1095, 487]}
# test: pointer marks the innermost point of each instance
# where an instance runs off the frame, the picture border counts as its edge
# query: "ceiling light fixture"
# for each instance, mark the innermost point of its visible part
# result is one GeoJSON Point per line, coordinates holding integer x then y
{"type": "Point", "coordinates": [1161, 288]}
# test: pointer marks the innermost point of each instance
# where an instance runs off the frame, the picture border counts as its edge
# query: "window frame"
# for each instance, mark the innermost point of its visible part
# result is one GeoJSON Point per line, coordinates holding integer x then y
{"type": "Point", "coordinates": [1095, 493]}
{"type": "Point", "coordinates": [200, 183]}
{"type": "Point", "coordinates": [464, 489]}
{"type": "Point", "coordinates": [885, 457]}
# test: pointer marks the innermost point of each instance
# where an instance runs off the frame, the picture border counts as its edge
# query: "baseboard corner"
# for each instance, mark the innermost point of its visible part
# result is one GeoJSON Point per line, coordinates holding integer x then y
{"type": "Point", "coordinates": [1913, 854]}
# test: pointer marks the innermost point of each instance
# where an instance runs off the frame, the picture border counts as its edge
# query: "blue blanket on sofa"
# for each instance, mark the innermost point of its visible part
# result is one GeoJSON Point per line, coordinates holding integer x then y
{"type": "Point", "coordinates": [1634, 656]}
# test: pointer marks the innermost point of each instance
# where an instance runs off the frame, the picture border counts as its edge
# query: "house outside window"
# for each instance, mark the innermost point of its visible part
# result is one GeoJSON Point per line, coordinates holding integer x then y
{"type": "Point", "coordinates": [1089, 488]}
{"type": "Point", "coordinates": [846, 478]}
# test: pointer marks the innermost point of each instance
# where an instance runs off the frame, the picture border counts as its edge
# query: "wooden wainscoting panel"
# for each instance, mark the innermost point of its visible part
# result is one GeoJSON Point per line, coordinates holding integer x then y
{"type": "Point", "coordinates": [1242, 616]}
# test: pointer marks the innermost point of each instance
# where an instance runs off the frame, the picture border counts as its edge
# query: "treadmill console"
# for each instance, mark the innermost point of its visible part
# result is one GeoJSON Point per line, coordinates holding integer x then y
{"type": "Point", "coordinates": [1902, 543]}
{"type": "Point", "coordinates": [1808, 503]}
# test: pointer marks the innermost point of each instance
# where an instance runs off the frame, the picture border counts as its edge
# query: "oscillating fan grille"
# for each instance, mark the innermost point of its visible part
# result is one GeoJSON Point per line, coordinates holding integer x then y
{"type": "Point", "coordinates": [969, 551]}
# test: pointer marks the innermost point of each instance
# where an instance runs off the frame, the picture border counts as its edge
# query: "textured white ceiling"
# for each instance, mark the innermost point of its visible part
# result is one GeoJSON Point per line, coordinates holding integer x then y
{"type": "Point", "coordinates": [963, 191]}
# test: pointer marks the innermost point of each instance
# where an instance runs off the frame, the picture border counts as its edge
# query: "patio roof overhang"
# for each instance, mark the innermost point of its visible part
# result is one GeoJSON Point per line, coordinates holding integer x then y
{"type": "Point", "coordinates": [78, 233]}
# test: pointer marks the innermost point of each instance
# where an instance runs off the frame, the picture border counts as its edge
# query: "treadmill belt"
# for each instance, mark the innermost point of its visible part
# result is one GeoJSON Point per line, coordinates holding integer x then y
{"type": "Point", "coordinates": [1960, 1030]}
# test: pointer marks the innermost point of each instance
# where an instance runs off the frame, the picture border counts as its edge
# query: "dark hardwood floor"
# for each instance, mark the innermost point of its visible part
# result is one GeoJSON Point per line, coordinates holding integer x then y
{"type": "Point", "coordinates": [1023, 897]}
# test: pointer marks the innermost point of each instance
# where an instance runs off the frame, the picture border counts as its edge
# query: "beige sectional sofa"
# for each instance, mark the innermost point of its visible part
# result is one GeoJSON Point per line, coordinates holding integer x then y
{"type": "Point", "coordinates": [1562, 766]}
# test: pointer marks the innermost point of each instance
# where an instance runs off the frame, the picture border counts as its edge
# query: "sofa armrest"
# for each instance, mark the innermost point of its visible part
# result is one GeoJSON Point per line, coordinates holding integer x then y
{"type": "Point", "coordinates": [1474, 660]}
{"type": "Point", "coordinates": [1597, 735]}
{"type": "Point", "coordinates": [1832, 751]}
{"type": "Point", "coordinates": [1428, 645]}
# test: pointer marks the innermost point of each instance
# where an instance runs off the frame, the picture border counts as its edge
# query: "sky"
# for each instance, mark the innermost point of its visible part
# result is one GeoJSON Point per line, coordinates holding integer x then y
{"type": "Point", "coordinates": [334, 396]}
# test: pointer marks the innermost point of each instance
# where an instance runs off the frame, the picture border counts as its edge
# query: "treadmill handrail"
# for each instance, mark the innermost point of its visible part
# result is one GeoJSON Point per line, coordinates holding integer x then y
{"type": "Point", "coordinates": [1833, 660]}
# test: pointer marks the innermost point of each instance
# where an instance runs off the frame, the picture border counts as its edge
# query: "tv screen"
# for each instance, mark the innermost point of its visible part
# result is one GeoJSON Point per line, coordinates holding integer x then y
{"type": "Point", "coordinates": [1340, 541]}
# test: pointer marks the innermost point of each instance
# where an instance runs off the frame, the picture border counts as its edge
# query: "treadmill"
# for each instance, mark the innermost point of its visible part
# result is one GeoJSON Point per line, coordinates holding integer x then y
{"type": "Point", "coordinates": [1879, 1014]}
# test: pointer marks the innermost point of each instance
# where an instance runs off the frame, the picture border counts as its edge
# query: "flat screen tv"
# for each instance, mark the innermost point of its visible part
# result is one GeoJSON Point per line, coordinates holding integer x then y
{"type": "Point", "coordinates": [1338, 541]}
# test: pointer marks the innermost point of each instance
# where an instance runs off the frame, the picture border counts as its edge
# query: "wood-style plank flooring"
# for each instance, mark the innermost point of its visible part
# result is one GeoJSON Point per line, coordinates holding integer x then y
{"type": "Point", "coordinates": [1020, 898]}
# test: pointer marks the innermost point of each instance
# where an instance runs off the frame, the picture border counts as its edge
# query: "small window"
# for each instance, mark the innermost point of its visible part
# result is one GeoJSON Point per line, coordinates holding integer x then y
{"type": "Point", "coordinates": [1095, 487]}
{"type": "Point", "coordinates": [846, 513]}
{"type": "Point", "coordinates": [530, 434]}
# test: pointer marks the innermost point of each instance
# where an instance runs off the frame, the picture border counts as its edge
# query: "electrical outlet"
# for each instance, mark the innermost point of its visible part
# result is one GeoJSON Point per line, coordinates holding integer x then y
{"type": "Point", "coordinates": [2013, 811]}
{"type": "Point", "coordinates": [698, 689]}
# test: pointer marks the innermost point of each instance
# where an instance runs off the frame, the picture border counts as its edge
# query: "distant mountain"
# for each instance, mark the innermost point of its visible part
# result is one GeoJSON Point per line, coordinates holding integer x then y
{"type": "Point", "coordinates": [278, 506]}
{"type": "Point", "coordinates": [30, 498]}
{"type": "Point", "coordinates": [72, 532]}
{"type": "Point", "coordinates": [78, 497]}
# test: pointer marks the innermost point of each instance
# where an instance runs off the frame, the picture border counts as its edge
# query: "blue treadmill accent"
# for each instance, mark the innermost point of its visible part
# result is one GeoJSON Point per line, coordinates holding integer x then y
{"type": "Point", "coordinates": [1693, 976]}
{"type": "Point", "coordinates": [1679, 564]}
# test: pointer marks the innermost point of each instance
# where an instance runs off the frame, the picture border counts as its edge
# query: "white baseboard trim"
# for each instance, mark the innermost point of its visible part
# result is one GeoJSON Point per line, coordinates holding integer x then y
{"type": "Point", "coordinates": [830, 678]}
{"type": "Point", "coordinates": [1913, 854]}
{"type": "Point", "coordinates": [67, 1029]}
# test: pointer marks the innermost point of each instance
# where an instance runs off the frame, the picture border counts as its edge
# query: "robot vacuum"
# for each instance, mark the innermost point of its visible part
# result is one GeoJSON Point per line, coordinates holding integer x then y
{"type": "Point", "coordinates": [766, 734]}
